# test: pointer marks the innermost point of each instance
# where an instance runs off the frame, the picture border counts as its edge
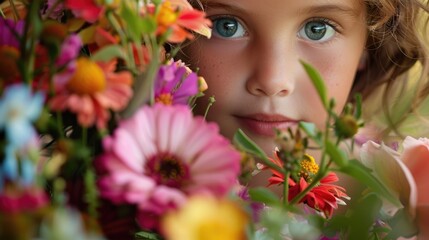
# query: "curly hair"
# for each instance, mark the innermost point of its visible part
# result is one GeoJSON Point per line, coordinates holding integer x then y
{"type": "Point", "coordinates": [397, 40]}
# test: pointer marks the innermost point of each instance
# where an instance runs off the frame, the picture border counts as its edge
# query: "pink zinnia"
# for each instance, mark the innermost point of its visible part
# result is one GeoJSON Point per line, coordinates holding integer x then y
{"type": "Point", "coordinates": [91, 91]}
{"type": "Point", "coordinates": [163, 154]}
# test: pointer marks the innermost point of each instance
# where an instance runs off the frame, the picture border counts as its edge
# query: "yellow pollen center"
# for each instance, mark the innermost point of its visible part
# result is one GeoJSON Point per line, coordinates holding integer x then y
{"type": "Point", "coordinates": [166, 16]}
{"type": "Point", "coordinates": [165, 98]}
{"type": "Point", "coordinates": [88, 78]}
{"type": "Point", "coordinates": [308, 167]}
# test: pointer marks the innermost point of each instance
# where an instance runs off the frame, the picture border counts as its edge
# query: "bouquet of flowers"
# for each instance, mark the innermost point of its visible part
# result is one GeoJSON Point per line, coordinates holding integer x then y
{"type": "Point", "coordinates": [98, 140]}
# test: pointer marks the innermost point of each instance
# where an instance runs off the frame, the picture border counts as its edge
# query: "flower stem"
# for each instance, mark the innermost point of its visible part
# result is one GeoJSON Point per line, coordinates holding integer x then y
{"type": "Point", "coordinates": [286, 189]}
{"type": "Point", "coordinates": [211, 101]}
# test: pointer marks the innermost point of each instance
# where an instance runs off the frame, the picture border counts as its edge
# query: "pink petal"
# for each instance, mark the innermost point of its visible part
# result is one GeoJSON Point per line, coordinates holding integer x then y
{"type": "Point", "coordinates": [416, 158]}
{"type": "Point", "coordinates": [391, 171]}
{"type": "Point", "coordinates": [128, 151]}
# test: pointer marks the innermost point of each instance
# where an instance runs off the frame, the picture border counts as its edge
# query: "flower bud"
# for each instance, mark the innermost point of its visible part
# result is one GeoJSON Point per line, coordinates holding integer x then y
{"type": "Point", "coordinates": [8, 63]}
{"type": "Point", "coordinates": [284, 140]}
{"type": "Point", "coordinates": [53, 32]}
{"type": "Point", "coordinates": [202, 84]}
{"type": "Point", "coordinates": [346, 126]}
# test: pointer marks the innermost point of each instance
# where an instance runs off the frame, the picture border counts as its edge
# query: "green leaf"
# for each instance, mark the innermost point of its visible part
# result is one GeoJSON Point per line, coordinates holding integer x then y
{"type": "Point", "coordinates": [311, 130]}
{"type": "Point", "coordinates": [358, 106]}
{"type": "Point", "coordinates": [317, 82]}
{"type": "Point", "coordinates": [134, 25]}
{"type": "Point", "coordinates": [337, 155]}
{"type": "Point", "coordinates": [244, 143]}
{"type": "Point", "coordinates": [363, 174]}
{"type": "Point", "coordinates": [363, 216]}
{"type": "Point", "coordinates": [262, 194]}
{"type": "Point", "coordinates": [148, 25]}
{"type": "Point", "coordinates": [109, 52]}
{"type": "Point", "coordinates": [147, 236]}
{"type": "Point", "coordinates": [402, 225]}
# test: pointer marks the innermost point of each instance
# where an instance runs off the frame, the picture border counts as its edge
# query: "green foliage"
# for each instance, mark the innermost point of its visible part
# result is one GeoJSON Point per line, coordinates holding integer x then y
{"type": "Point", "coordinates": [337, 155]}
{"type": "Point", "coordinates": [109, 52]}
{"type": "Point", "coordinates": [317, 82]}
{"type": "Point", "coordinates": [244, 143]}
{"type": "Point", "coordinates": [364, 175]}
{"type": "Point", "coordinates": [264, 195]}
{"type": "Point", "coordinates": [143, 235]}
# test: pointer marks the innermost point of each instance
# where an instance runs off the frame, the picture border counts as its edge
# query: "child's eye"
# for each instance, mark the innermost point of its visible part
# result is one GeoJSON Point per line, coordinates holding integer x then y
{"type": "Point", "coordinates": [227, 27]}
{"type": "Point", "coordinates": [317, 31]}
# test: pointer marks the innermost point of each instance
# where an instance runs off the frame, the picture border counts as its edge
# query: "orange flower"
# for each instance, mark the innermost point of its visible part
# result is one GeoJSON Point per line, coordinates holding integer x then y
{"type": "Point", "coordinates": [91, 91]}
{"type": "Point", "coordinates": [179, 16]}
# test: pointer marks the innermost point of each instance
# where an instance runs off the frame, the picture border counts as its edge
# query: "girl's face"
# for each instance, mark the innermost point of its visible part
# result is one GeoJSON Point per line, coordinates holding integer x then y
{"type": "Point", "coordinates": [252, 68]}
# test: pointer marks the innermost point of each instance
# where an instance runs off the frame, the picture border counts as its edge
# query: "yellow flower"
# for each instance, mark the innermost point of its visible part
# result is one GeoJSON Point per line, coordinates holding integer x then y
{"type": "Point", "coordinates": [205, 218]}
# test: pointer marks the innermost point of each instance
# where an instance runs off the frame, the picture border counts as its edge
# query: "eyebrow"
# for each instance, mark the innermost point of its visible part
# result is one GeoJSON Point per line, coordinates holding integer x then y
{"type": "Point", "coordinates": [216, 5]}
{"type": "Point", "coordinates": [332, 8]}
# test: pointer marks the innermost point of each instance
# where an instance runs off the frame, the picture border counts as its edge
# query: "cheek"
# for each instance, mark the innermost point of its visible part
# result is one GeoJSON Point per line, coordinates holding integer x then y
{"type": "Point", "coordinates": [339, 74]}
{"type": "Point", "coordinates": [217, 67]}
{"type": "Point", "coordinates": [219, 64]}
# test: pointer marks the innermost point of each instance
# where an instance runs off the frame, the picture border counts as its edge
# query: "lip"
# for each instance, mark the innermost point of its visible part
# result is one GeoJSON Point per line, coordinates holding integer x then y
{"type": "Point", "coordinates": [264, 124]}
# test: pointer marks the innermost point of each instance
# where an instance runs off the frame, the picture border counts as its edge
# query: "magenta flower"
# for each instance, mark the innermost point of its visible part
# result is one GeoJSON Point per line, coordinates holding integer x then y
{"type": "Point", "coordinates": [15, 201]}
{"type": "Point", "coordinates": [8, 32]}
{"type": "Point", "coordinates": [69, 50]}
{"type": "Point", "coordinates": [163, 154]}
{"type": "Point", "coordinates": [175, 83]}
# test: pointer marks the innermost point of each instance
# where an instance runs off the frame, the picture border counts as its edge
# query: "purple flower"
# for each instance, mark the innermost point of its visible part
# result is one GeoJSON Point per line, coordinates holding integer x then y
{"type": "Point", "coordinates": [9, 31]}
{"type": "Point", "coordinates": [175, 83]}
{"type": "Point", "coordinates": [56, 13]}
{"type": "Point", "coordinates": [256, 207]}
{"type": "Point", "coordinates": [69, 50]}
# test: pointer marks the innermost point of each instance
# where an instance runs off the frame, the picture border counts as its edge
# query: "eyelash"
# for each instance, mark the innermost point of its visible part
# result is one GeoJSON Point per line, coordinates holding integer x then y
{"type": "Point", "coordinates": [327, 21]}
{"type": "Point", "coordinates": [214, 18]}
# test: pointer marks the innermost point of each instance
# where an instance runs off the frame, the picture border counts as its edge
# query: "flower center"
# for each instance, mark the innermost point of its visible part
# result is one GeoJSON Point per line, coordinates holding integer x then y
{"type": "Point", "coordinates": [168, 170]}
{"type": "Point", "coordinates": [166, 16]}
{"type": "Point", "coordinates": [165, 98]}
{"type": "Point", "coordinates": [309, 167]}
{"type": "Point", "coordinates": [88, 78]}
{"type": "Point", "coordinates": [8, 67]}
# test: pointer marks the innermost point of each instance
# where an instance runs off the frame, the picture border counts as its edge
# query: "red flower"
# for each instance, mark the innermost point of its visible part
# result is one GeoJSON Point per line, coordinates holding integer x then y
{"type": "Point", "coordinates": [324, 197]}
{"type": "Point", "coordinates": [88, 10]}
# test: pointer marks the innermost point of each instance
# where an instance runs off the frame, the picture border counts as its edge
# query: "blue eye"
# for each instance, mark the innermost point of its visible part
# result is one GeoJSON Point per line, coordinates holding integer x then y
{"type": "Point", "coordinates": [227, 27]}
{"type": "Point", "coordinates": [317, 31]}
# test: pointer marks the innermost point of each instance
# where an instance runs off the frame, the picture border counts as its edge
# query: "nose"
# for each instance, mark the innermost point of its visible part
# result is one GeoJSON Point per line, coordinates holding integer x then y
{"type": "Point", "coordinates": [273, 72]}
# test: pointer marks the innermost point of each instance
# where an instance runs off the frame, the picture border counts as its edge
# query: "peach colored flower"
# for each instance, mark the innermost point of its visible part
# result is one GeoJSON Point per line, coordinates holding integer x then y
{"type": "Point", "coordinates": [91, 91]}
{"type": "Point", "coordinates": [405, 174]}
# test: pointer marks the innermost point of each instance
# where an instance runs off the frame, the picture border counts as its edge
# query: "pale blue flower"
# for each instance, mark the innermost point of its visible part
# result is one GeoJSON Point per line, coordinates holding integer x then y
{"type": "Point", "coordinates": [19, 107]}
{"type": "Point", "coordinates": [17, 166]}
